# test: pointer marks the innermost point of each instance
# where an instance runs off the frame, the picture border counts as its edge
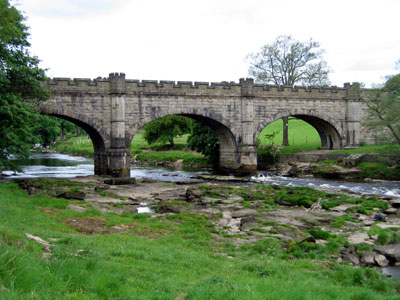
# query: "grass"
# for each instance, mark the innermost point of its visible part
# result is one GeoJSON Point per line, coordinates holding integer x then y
{"type": "Point", "coordinates": [173, 257]}
{"type": "Point", "coordinates": [302, 136]}
{"type": "Point", "coordinates": [368, 149]}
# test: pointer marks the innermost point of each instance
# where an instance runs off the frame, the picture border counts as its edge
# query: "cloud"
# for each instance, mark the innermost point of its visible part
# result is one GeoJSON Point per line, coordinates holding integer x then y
{"type": "Point", "coordinates": [69, 9]}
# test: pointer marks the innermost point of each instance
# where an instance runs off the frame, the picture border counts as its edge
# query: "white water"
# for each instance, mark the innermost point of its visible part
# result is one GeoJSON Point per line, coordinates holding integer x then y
{"type": "Point", "coordinates": [386, 188]}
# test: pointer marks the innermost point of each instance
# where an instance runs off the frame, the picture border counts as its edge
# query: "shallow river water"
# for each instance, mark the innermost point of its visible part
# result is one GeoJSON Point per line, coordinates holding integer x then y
{"type": "Point", "coordinates": [67, 166]}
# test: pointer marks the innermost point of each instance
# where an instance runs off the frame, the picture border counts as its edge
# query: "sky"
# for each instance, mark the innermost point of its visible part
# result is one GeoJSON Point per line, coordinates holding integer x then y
{"type": "Point", "coordinates": [208, 40]}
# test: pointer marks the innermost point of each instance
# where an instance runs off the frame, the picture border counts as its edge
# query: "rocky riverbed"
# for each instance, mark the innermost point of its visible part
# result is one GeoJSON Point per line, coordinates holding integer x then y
{"type": "Point", "coordinates": [360, 230]}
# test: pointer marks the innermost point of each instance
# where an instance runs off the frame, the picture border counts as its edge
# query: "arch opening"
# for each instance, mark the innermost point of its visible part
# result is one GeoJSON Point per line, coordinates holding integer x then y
{"type": "Point", "coordinates": [100, 152]}
{"type": "Point", "coordinates": [228, 150]}
{"type": "Point", "coordinates": [325, 132]}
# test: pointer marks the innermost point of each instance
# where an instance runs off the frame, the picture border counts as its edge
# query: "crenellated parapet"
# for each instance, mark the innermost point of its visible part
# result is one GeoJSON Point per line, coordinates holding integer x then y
{"type": "Point", "coordinates": [116, 83]}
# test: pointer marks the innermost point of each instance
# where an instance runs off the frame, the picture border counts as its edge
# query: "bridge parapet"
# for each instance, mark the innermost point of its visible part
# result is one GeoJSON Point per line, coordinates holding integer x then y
{"type": "Point", "coordinates": [245, 88]}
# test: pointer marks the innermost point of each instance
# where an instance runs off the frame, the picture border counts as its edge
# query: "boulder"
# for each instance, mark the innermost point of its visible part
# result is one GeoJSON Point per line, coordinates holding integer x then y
{"type": "Point", "coordinates": [72, 195]}
{"type": "Point", "coordinates": [244, 213]}
{"type": "Point", "coordinates": [368, 258]}
{"type": "Point", "coordinates": [381, 260]}
{"type": "Point", "coordinates": [352, 160]}
{"type": "Point", "coordinates": [391, 211]}
{"type": "Point", "coordinates": [395, 203]}
{"type": "Point", "coordinates": [390, 251]}
{"type": "Point", "coordinates": [358, 238]}
{"type": "Point", "coordinates": [353, 259]}
{"type": "Point", "coordinates": [193, 194]}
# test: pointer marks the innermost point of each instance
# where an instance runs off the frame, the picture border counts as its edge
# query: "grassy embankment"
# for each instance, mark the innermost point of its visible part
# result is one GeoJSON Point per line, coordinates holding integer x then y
{"type": "Point", "coordinates": [170, 257]}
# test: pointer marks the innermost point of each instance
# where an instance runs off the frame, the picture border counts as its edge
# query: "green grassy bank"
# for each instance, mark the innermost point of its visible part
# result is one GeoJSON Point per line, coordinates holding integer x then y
{"type": "Point", "coordinates": [177, 256]}
{"type": "Point", "coordinates": [141, 151]}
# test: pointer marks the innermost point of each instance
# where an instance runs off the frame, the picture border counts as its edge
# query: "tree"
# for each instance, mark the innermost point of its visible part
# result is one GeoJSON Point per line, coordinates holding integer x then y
{"type": "Point", "coordinates": [288, 62]}
{"type": "Point", "coordinates": [20, 80]}
{"type": "Point", "coordinates": [384, 111]}
{"type": "Point", "coordinates": [165, 129]}
{"type": "Point", "coordinates": [204, 140]}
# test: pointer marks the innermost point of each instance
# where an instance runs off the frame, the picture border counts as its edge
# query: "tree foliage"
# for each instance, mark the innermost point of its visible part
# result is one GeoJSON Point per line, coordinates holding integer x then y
{"type": "Point", "coordinates": [288, 62]}
{"type": "Point", "coordinates": [165, 129]}
{"type": "Point", "coordinates": [204, 140]}
{"type": "Point", "coordinates": [384, 111]}
{"type": "Point", "coordinates": [20, 78]}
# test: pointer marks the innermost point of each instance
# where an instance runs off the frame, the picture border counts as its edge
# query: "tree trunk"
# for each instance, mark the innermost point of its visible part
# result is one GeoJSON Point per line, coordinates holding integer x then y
{"type": "Point", "coordinates": [285, 141]}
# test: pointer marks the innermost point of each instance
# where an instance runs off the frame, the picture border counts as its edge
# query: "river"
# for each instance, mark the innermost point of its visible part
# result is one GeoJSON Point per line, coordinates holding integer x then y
{"type": "Point", "coordinates": [67, 166]}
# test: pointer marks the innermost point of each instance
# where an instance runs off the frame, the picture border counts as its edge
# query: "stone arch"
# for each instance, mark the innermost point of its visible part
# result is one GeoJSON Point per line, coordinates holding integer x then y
{"type": "Point", "coordinates": [84, 122]}
{"type": "Point", "coordinates": [228, 150]}
{"type": "Point", "coordinates": [325, 126]}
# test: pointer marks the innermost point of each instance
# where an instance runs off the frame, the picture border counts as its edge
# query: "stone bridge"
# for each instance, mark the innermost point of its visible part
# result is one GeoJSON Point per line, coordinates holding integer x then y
{"type": "Point", "coordinates": [111, 110]}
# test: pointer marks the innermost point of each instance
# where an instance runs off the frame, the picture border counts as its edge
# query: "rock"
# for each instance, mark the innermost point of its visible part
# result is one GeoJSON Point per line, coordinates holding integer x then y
{"type": "Point", "coordinates": [334, 171]}
{"type": "Point", "coordinates": [381, 260]}
{"type": "Point", "coordinates": [368, 258]}
{"type": "Point", "coordinates": [343, 207]}
{"type": "Point", "coordinates": [178, 164]}
{"type": "Point", "coordinates": [209, 200]}
{"type": "Point", "coordinates": [193, 194]}
{"type": "Point", "coordinates": [232, 199]}
{"type": "Point", "coordinates": [390, 251]}
{"type": "Point", "coordinates": [388, 226]}
{"type": "Point", "coordinates": [101, 187]}
{"type": "Point", "coordinates": [391, 211]}
{"type": "Point", "coordinates": [46, 245]}
{"type": "Point", "coordinates": [72, 195]}
{"type": "Point", "coordinates": [285, 203]}
{"type": "Point", "coordinates": [358, 238]}
{"type": "Point", "coordinates": [353, 259]}
{"type": "Point", "coordinates": [120, 181]}
{"type": "Point", "coordinates": [352, 160]}
{"type": "Point", "coordinates": [243, 213]}
{"type": "Point", "coordinates": [368, 222]}
{"type": "Point", "coordinates": [395, 203]}
{"type": "Point", "coordinates": [380, 217]}
{"type": "Point", "coordinates": [76, 208]}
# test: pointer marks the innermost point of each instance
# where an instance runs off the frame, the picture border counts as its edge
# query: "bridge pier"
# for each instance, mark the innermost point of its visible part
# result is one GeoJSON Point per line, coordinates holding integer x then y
{"type": "Point", "coordinates": [118, 160]}
{"type": "Point", "coordinates": [100, 163]}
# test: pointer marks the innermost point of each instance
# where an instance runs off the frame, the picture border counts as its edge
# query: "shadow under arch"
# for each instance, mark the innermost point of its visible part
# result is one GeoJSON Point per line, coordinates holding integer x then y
{"type": "Point", "coordinates": [100, 152]}
{"type": "Point", "coordinates": [329, 135]}
{"type": "Point", "coordinates": [228, 150]}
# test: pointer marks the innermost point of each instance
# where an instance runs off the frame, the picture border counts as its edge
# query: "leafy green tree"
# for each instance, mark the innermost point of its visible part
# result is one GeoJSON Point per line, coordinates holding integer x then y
{"type": "Point", "coordinates": [384, 111]}
{"type": "Point", "coordinates": [165, 129]}
{"type": "Point", "coordinates": [20, 80]}
{"type": "Point", "coordinates": [47, 129]}
{"type": "Point", "coordinates": [204, 140]}
{"type": "Point", "coordinates": [288, 62]}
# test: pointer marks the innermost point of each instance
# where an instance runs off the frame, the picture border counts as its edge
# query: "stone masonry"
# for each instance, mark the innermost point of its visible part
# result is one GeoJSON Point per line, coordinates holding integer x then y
{"type": "Point", "coordinates": [113, 109]}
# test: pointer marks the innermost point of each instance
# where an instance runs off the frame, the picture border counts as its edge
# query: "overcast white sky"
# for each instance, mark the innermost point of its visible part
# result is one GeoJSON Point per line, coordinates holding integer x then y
{"type": "Point", "coordinates": [208, 40]}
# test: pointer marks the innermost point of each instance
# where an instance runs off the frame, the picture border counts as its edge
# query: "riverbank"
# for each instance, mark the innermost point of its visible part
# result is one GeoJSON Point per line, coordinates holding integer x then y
{"type": "Point", "coordinates": [142, 154]}
{"type": "Point", "coordinates": [202, 241]}
{"type": "Point", "coordinates": [355, 164]}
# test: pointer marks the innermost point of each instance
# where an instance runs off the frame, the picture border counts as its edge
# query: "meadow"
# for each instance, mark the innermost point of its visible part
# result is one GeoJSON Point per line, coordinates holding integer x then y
{"type": "Point", "coordinates": [174, 256]}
